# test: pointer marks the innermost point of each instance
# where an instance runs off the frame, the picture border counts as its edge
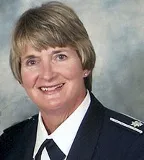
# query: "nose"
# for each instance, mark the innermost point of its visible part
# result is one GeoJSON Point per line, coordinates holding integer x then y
{"type": "Point", "coordinates": [47, 71]}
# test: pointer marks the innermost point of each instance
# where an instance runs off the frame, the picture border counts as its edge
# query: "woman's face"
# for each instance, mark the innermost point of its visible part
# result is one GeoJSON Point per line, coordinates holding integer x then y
{"type": "Point", "coordinates": [53, 78]}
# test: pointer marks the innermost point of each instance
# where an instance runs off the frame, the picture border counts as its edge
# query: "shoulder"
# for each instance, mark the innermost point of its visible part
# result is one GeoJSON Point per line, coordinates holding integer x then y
{"type": "Point", "coordinates": [121, 135]}
{"type": "Point", "coordinates": [125, 122]}
{"type": "Point", "coordinates": [14, 136]}
{"type": "Point", "coordinates": [18, 127]}
{"type": "Point", "coordinates": [119, 120]}
{"type": "Point", "coordinates": [128, 133]}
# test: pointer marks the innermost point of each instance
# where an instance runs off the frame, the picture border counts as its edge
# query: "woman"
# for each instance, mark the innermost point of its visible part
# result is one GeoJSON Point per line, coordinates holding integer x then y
{"type": "Point", "coordinates": [52, 58]}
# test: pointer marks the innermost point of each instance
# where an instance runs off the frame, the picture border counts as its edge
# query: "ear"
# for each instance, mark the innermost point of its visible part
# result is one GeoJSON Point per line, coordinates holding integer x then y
{"type": "Point", "coordinates": [86, 72]}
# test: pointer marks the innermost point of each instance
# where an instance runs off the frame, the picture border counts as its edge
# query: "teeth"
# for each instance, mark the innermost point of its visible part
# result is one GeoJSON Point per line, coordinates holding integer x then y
{"type": "Point", "coordinates": [44, 89]}
{"type": "Point", "coordinates": [51, 88]}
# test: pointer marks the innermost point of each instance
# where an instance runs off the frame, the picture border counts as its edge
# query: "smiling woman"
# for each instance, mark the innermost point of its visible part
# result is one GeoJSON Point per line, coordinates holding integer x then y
{"type": "Point", "coordinates": [52, 58]}
{"type": "Point", "coordinates": [53, 78]}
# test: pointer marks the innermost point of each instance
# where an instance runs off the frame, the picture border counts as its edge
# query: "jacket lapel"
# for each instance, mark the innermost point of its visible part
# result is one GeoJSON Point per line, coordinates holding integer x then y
{"type": "Point", "coordinates": [87, 136]}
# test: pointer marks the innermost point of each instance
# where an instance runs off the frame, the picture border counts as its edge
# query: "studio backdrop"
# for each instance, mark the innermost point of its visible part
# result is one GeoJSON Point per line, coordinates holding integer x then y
{"type": "Point", "coordinates": [116, 29]}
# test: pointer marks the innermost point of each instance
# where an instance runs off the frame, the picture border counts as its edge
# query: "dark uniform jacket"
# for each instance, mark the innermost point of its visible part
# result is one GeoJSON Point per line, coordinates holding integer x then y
{"type": "Point", "coordinates": [102, 135]}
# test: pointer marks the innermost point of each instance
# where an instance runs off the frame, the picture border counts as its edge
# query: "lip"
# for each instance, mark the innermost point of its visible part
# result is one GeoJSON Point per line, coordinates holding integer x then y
{"type": "Point", "coordinates": [51, 88]}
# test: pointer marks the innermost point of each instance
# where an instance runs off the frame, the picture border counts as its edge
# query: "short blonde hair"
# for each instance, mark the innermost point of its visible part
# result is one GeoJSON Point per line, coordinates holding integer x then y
{"type": "Point", "coordinates": [52, 24]}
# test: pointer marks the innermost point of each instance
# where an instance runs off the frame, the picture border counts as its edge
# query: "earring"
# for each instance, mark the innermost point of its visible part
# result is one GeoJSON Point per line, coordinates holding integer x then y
{"type": "Point", "coordinates": [85, 75]}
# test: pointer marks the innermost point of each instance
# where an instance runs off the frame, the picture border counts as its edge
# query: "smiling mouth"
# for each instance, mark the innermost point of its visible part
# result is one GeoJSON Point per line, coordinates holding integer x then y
{"type": "Point", "coordinates": [51, 88]}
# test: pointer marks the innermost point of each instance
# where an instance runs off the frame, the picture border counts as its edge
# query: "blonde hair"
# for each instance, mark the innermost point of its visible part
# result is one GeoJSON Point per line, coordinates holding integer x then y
{"type": "Point", "coordinates": [52, 24]}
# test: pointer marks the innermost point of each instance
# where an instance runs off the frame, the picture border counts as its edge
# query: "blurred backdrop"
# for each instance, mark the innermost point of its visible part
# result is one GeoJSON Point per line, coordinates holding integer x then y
{"type": "Point", "coordinates": [116, 28]}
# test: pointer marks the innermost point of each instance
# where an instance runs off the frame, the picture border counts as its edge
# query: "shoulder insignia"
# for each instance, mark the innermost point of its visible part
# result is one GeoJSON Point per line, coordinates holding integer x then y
{"type": "Point", "coordinates": [136, 123]}
{"type": "Point", "coordinates": [133, 125]}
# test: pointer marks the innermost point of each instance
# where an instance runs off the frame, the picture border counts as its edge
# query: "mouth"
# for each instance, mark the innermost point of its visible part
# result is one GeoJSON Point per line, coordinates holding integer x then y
{"type": "Point", "coordinates": [51, 88]}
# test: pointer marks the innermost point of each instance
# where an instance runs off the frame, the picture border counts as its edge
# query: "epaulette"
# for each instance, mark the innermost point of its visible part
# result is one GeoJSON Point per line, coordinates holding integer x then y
{"type": "Point", "coordinates": [127, 122]}
{"type": "Point", "coordinates": [19, 125]}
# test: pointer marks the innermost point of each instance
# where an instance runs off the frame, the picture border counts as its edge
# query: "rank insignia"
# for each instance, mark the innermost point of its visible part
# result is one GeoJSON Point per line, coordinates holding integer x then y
{"type": "Point", "coordinates": [136, 123]}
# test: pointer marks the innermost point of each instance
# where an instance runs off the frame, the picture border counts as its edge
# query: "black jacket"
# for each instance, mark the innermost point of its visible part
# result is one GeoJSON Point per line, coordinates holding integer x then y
{"type": "Point", "coordinates": [103, 135]}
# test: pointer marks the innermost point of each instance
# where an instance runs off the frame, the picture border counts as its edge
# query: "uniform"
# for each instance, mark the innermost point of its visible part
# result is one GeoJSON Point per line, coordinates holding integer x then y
{"type": "Point", "coordinates": [102, 135]}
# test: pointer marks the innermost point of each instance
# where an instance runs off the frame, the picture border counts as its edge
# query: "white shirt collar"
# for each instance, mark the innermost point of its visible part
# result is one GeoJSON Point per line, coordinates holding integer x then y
{"type": "Point", "coordinates": [63, 135]}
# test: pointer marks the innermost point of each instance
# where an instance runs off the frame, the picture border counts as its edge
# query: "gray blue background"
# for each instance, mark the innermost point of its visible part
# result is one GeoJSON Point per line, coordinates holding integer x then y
{"type": "Point", "coordinates": [116, 28]}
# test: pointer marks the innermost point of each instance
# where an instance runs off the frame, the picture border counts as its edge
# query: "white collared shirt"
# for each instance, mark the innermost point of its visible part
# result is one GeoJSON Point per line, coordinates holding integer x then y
{"type": "Point", "coordinates": [64, 135]}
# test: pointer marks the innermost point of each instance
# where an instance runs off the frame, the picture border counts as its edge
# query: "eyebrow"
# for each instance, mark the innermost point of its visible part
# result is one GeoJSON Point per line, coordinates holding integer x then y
{"type": "Point", "coordinates": [28, 57]}
{"type": "Point", "coordinates": [58, 51]}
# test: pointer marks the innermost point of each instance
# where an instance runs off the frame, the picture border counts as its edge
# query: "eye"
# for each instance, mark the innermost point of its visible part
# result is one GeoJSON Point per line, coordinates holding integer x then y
{"type": "Point", "coordinates": [61, 57]}
{"type": "Point", "coordinates": [31, 62]}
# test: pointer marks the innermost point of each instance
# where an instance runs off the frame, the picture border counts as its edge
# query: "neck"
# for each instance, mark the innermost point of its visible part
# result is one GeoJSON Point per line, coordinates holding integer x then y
{"type": "Point", "coordinates": [52, 122]}
{"type": "Point", "coordinates": [52, 119]}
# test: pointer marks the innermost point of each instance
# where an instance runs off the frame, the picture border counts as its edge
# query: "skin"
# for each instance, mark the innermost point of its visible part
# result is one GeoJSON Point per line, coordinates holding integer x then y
{"type": "Point", "coordinates": [53, 79]}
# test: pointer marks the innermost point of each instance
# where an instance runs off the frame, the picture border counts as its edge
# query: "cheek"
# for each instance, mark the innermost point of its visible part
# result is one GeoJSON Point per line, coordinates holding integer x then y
{"type": "Point", "coordinates": [28, 78]}
{"type": "Point", "coordinates": [74, 71]}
